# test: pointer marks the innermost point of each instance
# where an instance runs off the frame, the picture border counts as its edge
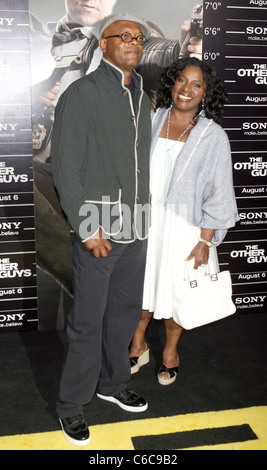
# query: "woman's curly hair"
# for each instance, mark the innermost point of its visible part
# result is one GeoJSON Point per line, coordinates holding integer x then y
{"type": "Point", "coordinates": [216, 95]}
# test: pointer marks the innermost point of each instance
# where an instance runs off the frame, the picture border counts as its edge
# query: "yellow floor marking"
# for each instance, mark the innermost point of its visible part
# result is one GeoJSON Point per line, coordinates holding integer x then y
{"type": "Point", "coordinates": [117, 436]}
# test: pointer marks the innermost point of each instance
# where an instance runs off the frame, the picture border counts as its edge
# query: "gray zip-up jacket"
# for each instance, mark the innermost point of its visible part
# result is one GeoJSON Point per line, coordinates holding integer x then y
{"type": "Point", "coordinates": [100, 154]}
{"type": "Point", "coordinates": [201, 188]}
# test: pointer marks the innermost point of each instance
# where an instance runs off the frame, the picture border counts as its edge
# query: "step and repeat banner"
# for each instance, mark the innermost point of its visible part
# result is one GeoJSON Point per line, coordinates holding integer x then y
{"type": "Point", "coordinates": [235, 43]}
{"type": "Point", "coordinates": [41, 53]}
{"type": "Point", "coordinates": [18, 283]}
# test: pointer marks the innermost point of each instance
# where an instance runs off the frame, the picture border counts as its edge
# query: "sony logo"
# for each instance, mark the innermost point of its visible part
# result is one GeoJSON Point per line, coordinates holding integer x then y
{"type": "Point", "coordinates": [257, 30]}
{"type": "Point", "coordinates": [6, 21]}
{"type": "Point", "coordinates": [255, 125]}
{"type": "Point", "coordinates": [12, 317]}
{"type": "Point", "coordinates": [253, 215]}
{"type": "Point", "coordinates": [8, 126]}
{"type": "Point", "coordinates": [9, 225]}
{"type": "Point", "coordinates": [250, 299]}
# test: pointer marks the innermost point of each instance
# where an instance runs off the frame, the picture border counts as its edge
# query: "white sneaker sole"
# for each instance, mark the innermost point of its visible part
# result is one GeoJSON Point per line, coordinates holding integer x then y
{"type": "Point", "coordinates": [133, 409]}
{"type": "Point", "coordinates": [74, 441]}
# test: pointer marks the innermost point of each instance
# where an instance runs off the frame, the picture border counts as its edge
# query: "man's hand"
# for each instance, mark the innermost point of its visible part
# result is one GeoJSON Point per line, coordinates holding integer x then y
{"type": "Point", "coordinates": [99, 245]}
{"type": "Point", "coordinates": [195, 45]}
{"type": "Point", "coordinates": [49, 96]}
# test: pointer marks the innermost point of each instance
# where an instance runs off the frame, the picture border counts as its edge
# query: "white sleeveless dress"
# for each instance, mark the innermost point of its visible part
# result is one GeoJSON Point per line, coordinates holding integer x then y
{"type": "Point", "coordinates": [171, 239]}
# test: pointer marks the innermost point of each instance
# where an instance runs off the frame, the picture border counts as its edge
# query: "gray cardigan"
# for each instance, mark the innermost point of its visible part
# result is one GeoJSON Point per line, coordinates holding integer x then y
{"type": "Point", "coordinates": [201, 187]}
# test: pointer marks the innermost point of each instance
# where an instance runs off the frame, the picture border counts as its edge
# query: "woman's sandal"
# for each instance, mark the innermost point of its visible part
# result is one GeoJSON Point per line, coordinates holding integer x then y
{"type": "Point", "coordinates": [172, 371]}
{"type": "Point", "coordinates": [137, 362]}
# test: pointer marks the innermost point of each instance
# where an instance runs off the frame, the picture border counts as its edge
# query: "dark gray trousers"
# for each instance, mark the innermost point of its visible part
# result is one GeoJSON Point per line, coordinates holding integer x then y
{"type": "Point", "coordinates": [107, 307]}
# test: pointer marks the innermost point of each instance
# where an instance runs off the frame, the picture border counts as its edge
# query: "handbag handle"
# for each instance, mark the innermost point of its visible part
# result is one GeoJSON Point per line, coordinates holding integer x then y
{"type": "Point", "coordinates": [189, 271]}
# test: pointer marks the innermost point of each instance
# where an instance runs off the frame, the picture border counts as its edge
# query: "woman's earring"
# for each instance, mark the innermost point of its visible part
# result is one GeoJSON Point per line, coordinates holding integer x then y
{"type": "Point", "coordinates": [203, 108]}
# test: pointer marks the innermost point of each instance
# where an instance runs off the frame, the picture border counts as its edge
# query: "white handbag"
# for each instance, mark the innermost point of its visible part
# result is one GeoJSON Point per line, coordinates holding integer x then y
{"type": "Point", "coordinates": [199, 301]}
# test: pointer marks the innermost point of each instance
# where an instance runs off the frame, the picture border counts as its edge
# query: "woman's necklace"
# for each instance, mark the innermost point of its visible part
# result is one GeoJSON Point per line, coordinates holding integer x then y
{"type": "Point", "coordinates": [183, 133]}
{"type": "Point", "coordinates": [167, 151]}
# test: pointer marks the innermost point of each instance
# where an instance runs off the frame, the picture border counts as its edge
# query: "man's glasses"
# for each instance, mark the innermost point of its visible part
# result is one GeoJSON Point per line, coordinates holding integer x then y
{"type": "Point", "coordinates": [127, 37]}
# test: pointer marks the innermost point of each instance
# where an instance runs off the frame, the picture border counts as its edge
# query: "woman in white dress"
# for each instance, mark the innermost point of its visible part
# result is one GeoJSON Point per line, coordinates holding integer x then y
{"type": "Point", "coordinates": [193, 202]}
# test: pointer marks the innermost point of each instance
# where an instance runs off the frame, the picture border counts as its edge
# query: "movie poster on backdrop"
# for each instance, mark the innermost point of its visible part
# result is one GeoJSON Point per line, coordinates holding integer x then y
{"type": "Point", "coordinates": [42, 54]}
{"type": "Point", "coordinates": [231, 34]}
{"type": "Point", "coordinates": [36, 45]}
{"type": "Point", "coordinates": [18, 283]}
{"type": "Point", "coordinates": [63, 52]}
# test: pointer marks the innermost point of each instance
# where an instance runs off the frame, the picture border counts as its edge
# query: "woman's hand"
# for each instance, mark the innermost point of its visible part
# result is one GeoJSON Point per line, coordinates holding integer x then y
{"type": "Point", "coordinates": [201, 254]}
{"type": "Point", "coordinates": [201, 251]}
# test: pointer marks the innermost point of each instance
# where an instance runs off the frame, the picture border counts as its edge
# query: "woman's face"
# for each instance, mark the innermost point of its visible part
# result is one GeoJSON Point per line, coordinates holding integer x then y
{"type": "Point", "coordinates": [189, 89]}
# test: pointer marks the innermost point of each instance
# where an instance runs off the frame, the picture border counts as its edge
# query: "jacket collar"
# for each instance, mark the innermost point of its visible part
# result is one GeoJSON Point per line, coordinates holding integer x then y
{"type": "Point", "coordinates": [112, 71]}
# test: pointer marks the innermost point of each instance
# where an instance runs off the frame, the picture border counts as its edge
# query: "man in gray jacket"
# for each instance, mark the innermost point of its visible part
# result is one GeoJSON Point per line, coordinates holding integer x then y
{"type": "Point", "coordinates": [100, 165]}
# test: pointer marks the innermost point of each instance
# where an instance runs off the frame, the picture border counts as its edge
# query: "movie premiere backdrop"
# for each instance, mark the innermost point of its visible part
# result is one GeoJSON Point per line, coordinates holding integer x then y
{"type": "Point", "coordinates": [33, 231]}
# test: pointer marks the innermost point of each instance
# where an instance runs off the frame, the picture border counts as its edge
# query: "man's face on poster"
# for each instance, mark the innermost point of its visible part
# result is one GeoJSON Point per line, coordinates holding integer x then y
{"type": "Point", "coordinates": [88, 12]}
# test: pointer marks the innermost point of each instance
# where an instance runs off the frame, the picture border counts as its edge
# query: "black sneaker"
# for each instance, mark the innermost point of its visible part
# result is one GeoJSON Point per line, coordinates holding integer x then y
{"type": "Point", "coordinates": [127, 400]}
{"type": "Point", "coordinates": [75, 430]}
